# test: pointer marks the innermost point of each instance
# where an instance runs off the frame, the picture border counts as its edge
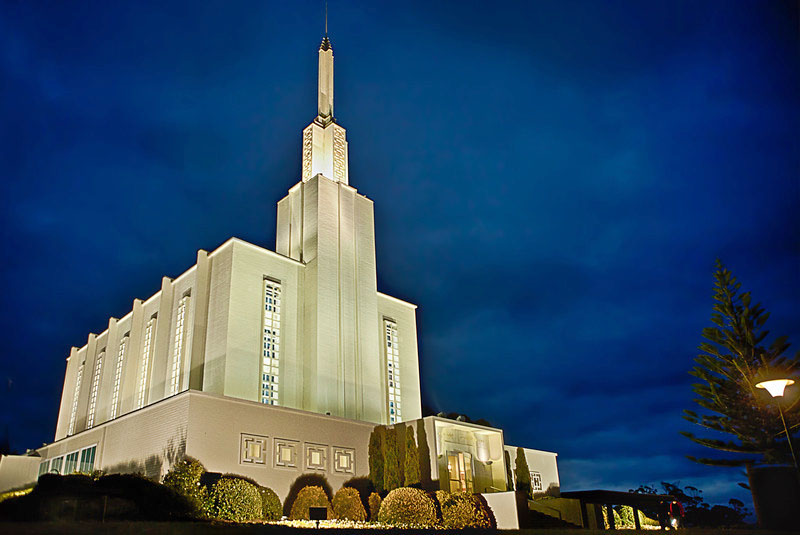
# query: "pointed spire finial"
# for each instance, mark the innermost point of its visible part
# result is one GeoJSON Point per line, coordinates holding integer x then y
{"type": "Point", "coordinates": [326, 43]}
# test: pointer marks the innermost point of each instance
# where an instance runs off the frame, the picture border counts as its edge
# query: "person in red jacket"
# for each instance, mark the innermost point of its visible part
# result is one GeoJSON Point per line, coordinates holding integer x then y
{"type": "Point", "coordinates": [675, 515]}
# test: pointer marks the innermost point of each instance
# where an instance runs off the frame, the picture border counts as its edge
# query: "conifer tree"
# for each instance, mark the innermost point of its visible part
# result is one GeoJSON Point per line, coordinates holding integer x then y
{"type": "Point", "coordinates": [411, 460]}
{"type": "Point", "coordinates": [392, 471]}
{"type": "Point", "coordinates": [376, 460]}
{"type": "Point", "coordinates": [522, 473]}
{"type": "Point", "coordinates": [732, 362]}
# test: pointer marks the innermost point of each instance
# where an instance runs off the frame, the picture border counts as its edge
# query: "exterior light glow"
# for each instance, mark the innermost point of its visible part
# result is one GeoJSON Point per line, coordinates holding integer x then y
{"type": "Point", "coordinates": [776, 386]}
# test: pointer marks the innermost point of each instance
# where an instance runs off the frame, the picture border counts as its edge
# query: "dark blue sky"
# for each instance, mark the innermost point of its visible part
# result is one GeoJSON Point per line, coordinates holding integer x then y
{"type": "Point", "coordinates": [552, 183]}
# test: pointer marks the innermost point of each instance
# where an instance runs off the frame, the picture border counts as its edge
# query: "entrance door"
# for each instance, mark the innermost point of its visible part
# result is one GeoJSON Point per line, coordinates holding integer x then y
{"type": "Point", "coordinates": [459, 465]}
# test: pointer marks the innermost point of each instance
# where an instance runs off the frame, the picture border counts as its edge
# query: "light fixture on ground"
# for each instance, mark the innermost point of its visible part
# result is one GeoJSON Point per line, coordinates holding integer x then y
{"type": "Point", "coordinates": [776, 389]}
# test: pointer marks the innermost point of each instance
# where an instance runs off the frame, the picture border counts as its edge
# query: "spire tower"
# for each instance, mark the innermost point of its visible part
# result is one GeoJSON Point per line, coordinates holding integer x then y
{"type": "Point", "coordinates": [324, 141]}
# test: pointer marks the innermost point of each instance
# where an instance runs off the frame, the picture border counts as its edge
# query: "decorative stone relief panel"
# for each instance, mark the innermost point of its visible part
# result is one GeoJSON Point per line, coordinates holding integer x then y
{"type": "Point", "coordinates": [344, 460]}
{"type": "Point", "coordinates": [286, 453]}
{"type": "Point", "coordinates": [339, 154]}
{"type": "Point", "coordinates": [316, 457]}
{"type": "Point", "coordinates": [253, 449]}
{"type": "Point", "coordinates": [307, 150]}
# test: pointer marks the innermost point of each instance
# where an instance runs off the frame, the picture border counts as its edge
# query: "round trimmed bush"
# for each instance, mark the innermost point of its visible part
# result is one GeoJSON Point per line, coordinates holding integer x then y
{"type": "Point", "coordinates": [185, 478]}
{"type": "Point", "coordinates": [407, 506]}
{"type": "Point", "coordinates": [271, 508]}
{"type": "Point", "coordinates": [347, 505]}
{"type": "Point", "coordinates": [374, 506]}
{"type": "Point", "coordinates": [309, 497]}
{"type": "Point", "coordinates": [303, 481]}
{"type": "Point", "coordinates": [236, 499]}
{"type": "Point", "coordinates": [460, 510]}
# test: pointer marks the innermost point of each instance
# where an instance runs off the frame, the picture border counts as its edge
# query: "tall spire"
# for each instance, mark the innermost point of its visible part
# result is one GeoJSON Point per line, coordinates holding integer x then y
{"type": "Point", "coordinates": [325, 87]}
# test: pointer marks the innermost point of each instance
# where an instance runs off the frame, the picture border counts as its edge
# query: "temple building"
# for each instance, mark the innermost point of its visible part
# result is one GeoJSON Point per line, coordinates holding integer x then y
{"type": "Point", "coordinates": [267, 363]}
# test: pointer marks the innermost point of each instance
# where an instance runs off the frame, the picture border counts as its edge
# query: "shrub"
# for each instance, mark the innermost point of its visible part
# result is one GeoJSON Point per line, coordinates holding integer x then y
{"type": "Point", "coordinates": [185, 478]}
{"type": "Point", "coordinates": [392, 470]}
{"type": "Point", "coordinates": [235, 499]}
{"type": "Point", "coordinates": [303, 481]}
{"type": "Point", "coordinates": [460, 510]}
{"type": "Point", "coordinates": [347, 505]}
{"type": "Point", "coordinates": [113, 497]}
{"type": "Point", "coordinates": [271, 508]}
{"type": "Point", "coordinates": [309, 497]}
{"type": "Point", "coordinates": [411, 460]}
{"type": "Point", "coordinates": [407, 506]}
{"type": "Point", "coordinates": [522, 473]}
{"type": "Point", "coordinates": [364, 486]}
{"type": "Point", "coordinates": [374, 506]}
{"type": "Point", "coordinates": [376, 440]}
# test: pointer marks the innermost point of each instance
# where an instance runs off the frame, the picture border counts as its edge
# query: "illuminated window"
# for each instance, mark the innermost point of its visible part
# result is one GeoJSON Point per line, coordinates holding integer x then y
{"type": "Point", "coordinates": [316, 457]}
{"type": "Point", "coordinates": [254, 449]}
{"type": "Point", "coordinates": [536, 481]}
{"type": "Point", "coordinates": [98, 368]}
{"type": "Point", "coordinates": [271, 335]}
{"type": "Point", "coordinates": [55, 465]}
{"type": "Point", "coordinates": [123, 346]}
{"type": "Point", "coordinates": [144, 370]}
{"type": "Point", "coordinates": [87, 459]}
{"type": "Point", "coordinates": [44, 466]}
{"type": "Point", "coordinates": [344, 460]}
{"type": "Point", "coordinates": [74, 413]}
{"type": "Point", "coordinates": [71, 462]}
{"type": "Point", "coordinates": [392, 370]}
{"type": "Point", "coordinates": [286, 453]}
{"type": "Point", "coordinates": [177, 357]}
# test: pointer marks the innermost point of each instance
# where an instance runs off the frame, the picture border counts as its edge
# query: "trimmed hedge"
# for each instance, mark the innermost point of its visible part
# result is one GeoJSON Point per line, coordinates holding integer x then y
{"type": "Point", "coordinates": [303, 481]}
{"type": "Point", "coordinates": [185, 478]}
{"type": "Point", "coordinates": [460, 510]}
{"type": "Point", "coordinates": [235, 499]}
{"type": "Point", "coordinates": [309, 497]}
{"type": "Point", "coordinates": [271, 508]}
{"type": "Point", "coordinates": [374, 506]}
{"type": "Point", "coordinates": [407, 506]}
{"type": "Point", "coordinates": [364, 486]}
{"type": "Point", "coordinates": [119, 497]}
{"type": "Point", "coordinates": [347, 505]}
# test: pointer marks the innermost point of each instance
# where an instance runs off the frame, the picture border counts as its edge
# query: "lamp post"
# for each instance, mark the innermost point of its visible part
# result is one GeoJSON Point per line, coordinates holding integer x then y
{"type": "Point", "coordinates": [776, 388]}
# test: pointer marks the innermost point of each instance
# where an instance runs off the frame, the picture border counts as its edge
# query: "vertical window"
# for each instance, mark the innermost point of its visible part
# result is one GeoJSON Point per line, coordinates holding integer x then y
{"type": "Point", "coordinates": [87, 459]}
{"type": "Point", "coordinates": [98, 368]}
{"type": "Point", "coordinates": [123, 346]}
{"type": "Point", "coordinates": [55, 465]}
{"type": "Point", "coordinates": [74, 413]}
{"type": "Point", "coordinates": [392, 369]}
{"type": "Point", "coordinates": [271, 325]}
{"type": "Point", "coordinates": [44, 466]}
{"type": "Point", "coordinates": [70, 463]}
{"type": "Point", "coordinates": [144, 371]}
{"type": "Point", "coordinates": [177, 357]}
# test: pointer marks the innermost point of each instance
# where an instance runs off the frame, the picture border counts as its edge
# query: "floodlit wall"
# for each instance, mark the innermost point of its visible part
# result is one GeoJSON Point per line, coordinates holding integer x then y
{"type": "Point", "coordinates": [272, 445]}
{"type": "Point", "coordinates": [290, 442]}
{"type": "Point", "coordinates": [404, 315]}
{"type": "Point", "coordinates": [17, 471]}
{"type": "Point", "coordinates": [542, 463]}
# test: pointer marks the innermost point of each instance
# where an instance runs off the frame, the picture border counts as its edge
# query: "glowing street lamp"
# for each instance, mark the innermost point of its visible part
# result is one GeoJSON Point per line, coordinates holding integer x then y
{"type": "Point", "coordinates": [776, 388]}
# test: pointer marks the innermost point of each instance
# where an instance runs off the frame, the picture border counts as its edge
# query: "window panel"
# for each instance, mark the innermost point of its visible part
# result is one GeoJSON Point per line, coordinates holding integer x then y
{"type": "Point", "coordinates": [270, 351]}
{"type": "Point", "coordinates": [98, 368]}
{"type": "Point", "coordinates": [74, 412]}
{"type": "Point", "coordinates": [144, 370]}
{"type": "Point", "coordinates": [177, 356]}
{"type": "Point", "coordinates": [392, 351]}
{"type": "Point", "coordinates": [123, 346]}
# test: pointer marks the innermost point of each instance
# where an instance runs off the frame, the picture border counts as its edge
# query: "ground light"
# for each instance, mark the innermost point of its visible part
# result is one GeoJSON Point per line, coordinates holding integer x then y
{"type": "Point", "coordinates": [776, 389]}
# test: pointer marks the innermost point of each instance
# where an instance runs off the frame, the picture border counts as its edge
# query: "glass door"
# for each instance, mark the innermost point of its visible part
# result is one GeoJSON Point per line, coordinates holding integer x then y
{"type": "Point", "coordinates": [459, 466]}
